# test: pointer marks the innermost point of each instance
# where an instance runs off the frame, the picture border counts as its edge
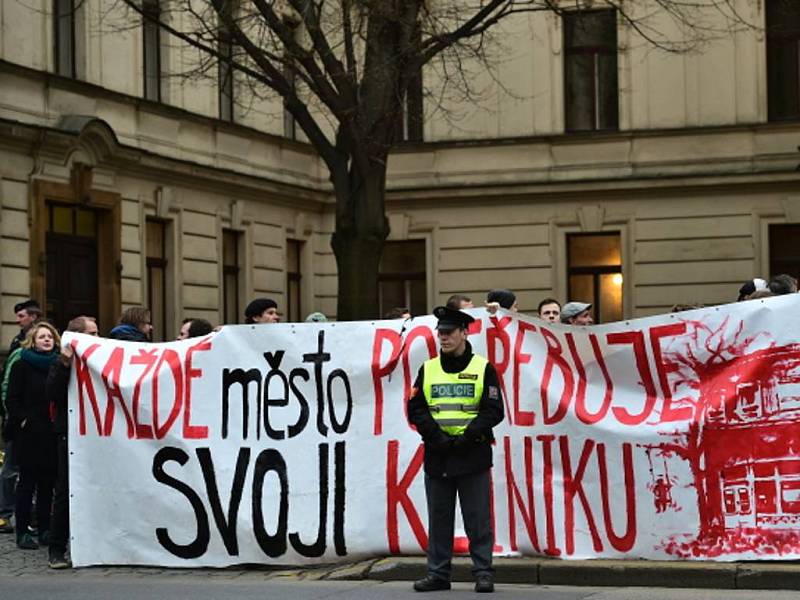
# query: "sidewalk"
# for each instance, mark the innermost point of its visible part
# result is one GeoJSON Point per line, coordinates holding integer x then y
{"type": "Point", "coordinates": [620, 573]}
{"type": "Point", "coordinates": [544, 571]}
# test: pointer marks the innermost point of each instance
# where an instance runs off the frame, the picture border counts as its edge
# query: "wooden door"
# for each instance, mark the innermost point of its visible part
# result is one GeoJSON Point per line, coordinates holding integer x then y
{"type": "Point", "coordinates": [72, 274]}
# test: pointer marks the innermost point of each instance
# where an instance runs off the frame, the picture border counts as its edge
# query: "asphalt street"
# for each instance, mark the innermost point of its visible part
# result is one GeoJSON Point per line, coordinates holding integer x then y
{"type": "Point", "coordinates": [24, 575]}
{"type": "Point", "coordinates": [64, 586]}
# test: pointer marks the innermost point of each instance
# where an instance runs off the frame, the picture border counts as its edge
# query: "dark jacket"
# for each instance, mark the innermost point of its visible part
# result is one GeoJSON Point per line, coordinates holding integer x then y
{"type": "Point", "coordinates": [15, 344]}
{"type": "Point", "coordinates": [34, 441]}
{"type": "Point", "coordinates": [18, 339]}
{"type": "Point", "coordinates": [26, 399]}
{"type": "Point", "coordinates": [448, 456]}
{"type": "Point", "coordinates": [127, 333]}
{"type": "Point", "coordinates": [56, 390]}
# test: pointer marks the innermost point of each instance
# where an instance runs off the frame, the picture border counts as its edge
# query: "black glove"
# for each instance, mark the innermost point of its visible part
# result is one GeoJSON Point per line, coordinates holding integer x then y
{"type": "Point", "coordinates": [476, 436]}
{"type": "Point", "coordinates": [461, 444]}
{"type": "Point", "coordinates": [441, 442]}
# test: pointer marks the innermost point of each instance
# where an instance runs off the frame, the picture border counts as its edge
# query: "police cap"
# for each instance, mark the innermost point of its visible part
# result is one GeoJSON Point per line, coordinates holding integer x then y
{"type": "Point", "coordinates": [451, 318]}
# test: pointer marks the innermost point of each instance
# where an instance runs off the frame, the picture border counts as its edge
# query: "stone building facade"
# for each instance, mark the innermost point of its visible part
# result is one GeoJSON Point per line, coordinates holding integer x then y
{"type": "Point", "coordinates": [634, 178]}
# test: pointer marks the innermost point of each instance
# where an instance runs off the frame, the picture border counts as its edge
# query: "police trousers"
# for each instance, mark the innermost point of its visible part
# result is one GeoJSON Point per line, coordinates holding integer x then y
{"type": "Point", "coordinates": [473, 493]}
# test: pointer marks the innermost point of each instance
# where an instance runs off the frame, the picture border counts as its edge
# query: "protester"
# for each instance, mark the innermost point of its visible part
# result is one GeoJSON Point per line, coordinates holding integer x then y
{"type": "Point", "coordinates": [549, 310]}
{"type": "Point", "coordinates": [683, 307]}
{"type": "Point", "coordinates": [134, 325]}
{"type": "Point", "coordinates": [56, 389]}
{"type": "Point", "coordinates": [262, 310]}
{"type": "Point", "coordinates": [183, 333]}
{"type": "Point", "coordinates": [30, 427]}
{"type": "Point", "coordinates": [192, 328]}
{"type": "Point", "coordinates": [749, 287]}
{"type": "Point", "coordinates": [459, 302]}
{"type": "Point", "coordinates": [316, 317]}
{"type": "Point", "coordinates": [27, 313]}
{"type": "Point", "coordinates": [398, 312]}
{"type": "Point", "coordinates": [200, 327]}
{"type": "Point", "coordinates": [783, 284]}
{"type": "Point", "coordinates": [456, 427]}
{"type": "Point", "coordinates": [504, 298]}
{"type": "Point", "coordinates": [577, 313]}
{"type": "Point", "coordinates": [760, 294]}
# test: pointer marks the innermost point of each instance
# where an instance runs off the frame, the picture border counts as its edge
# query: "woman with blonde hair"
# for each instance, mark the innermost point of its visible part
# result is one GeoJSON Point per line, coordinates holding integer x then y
{"type": "Point", "coordinates": [31, 426]}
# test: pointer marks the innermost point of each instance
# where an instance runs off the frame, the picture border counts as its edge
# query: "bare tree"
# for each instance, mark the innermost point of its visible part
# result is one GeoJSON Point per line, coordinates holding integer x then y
{"type": "Point", "coordinates": [355, 60]}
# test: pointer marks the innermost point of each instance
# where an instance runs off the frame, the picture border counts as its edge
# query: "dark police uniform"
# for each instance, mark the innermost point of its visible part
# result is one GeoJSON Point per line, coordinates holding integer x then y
{"type": "Point", "coordinates": [455, 402]}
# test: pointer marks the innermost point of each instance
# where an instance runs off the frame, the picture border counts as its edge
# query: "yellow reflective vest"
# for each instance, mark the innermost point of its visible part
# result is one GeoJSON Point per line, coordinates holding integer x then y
{"type": "Point", "coordinates": [453, 398]}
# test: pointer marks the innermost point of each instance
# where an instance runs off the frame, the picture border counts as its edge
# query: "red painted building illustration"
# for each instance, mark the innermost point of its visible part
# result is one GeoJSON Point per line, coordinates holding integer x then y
{"type": "Point", "coordinates": [743, 447]}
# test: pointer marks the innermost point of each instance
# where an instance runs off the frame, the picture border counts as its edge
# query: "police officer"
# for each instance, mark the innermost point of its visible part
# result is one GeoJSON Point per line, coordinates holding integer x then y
{"type": "Point", "coordinates": [455, 403]}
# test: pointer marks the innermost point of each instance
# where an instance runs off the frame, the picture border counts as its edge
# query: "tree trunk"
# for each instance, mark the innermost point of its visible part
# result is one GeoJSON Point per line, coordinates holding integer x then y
{"type": "Point", "coordinates": [361, 230]}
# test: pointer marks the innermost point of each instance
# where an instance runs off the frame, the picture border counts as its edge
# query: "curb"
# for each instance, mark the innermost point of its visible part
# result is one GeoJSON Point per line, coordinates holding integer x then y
{"type": "Point", "coordinates": [618, 573]}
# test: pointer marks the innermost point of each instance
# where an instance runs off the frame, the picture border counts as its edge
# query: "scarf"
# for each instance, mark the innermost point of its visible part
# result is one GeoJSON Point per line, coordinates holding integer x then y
{"type": "Point", "coordinates": [39, 360]}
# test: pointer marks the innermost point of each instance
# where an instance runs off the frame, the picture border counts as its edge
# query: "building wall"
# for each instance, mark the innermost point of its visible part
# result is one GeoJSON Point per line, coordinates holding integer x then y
{"type": "Point", "coordinates": [519, 88]}
{"type": "Point", "coordinates": [692, 180]}
{"type": "Point", "coordinates": [679, 246]}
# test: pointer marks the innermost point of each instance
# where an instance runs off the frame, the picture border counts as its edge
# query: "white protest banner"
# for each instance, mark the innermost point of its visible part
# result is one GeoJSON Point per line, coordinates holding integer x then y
{"type": "Point", "coordinates": [668, 437]}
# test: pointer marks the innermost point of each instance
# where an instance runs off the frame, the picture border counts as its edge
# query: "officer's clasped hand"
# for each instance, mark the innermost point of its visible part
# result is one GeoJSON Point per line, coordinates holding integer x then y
{"type": "Point", "coordinates": [461, 444]}
{"type": "Point", "coordinates": [442, 442]}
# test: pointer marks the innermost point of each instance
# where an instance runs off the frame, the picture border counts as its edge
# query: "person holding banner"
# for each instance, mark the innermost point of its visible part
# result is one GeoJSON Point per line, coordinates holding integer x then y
{"type": "Point", "coordinates": [262, 310]}
{"type": "Point", "coordinates": [455, 403]}
{"type": "Point", "coordinates": [27, 314]}
{"type": "Point", "coordinates": [135, 325]}
{"type": "Point", "coordinates": [56, 389]}
{"type": "Point", "coordinates": [32, 431]}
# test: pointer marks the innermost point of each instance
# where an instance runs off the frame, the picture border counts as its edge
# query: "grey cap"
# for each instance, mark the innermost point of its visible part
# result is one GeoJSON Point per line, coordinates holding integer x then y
{"type": "Point", "coordinates": [573, 309]}
{"type": "Point", "coordinates": [316, 317]}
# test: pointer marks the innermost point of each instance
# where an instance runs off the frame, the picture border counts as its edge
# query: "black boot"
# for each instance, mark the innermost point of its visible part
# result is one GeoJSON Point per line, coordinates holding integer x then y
{"type": "Point", "coordinates": [431, 584]}
{"type": "Point", "coordinates": [484, 584]}
{"type": "Point", "coordinates": [58, 560]}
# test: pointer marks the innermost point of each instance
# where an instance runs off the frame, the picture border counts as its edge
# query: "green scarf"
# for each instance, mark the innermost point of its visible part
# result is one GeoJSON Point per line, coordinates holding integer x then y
{"type": "Point", "coordinates": [40, 360]}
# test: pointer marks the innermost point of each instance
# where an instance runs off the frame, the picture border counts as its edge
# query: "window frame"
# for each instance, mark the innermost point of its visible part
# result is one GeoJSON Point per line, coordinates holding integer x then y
{"type": "Point", "coordinates": [225, 88]}
{"type": "Point", "coordinates": [777, 36]}
{"type": "Point", "coordinates": [595, 272]}
{"type": "Point", "coordinates": [294, 277]}
{"type": "Point", "coordinates": [231, 314]}
{"type": "Point", "coordinates": [595, 51]}
{"type": "Point", "coordinates": [152, 91]}
{"type": "Point", "coordinates": [153, 263]}
{"type": "Point", "coordinates": [405, 276]}
{"type": "Point", "coordinates": [58, 52]}
{"type": "Point", "coordinates": [772, 264]}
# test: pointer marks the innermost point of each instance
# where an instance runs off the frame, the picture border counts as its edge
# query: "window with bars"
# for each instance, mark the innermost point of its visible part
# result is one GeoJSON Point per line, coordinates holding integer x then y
{"type": "Point", "coordinates": [230, 276]}
{"type": "Point", "coordinates": [156, 263]}
{"type": "Point", "coordinates": [64, 37]}
{"type": "Point", "coordinates": [151, 33]}
{"type": "Point", "coordinates": [591, 91]}
{"type": "Point", "coordinates": [402, 277]}
{"type": "Point", "coordinates": [783, 59]}
{"type": "Point", "coordinates": [294, 278]}
{"type": "Point", "coordinates": [594, 273]}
